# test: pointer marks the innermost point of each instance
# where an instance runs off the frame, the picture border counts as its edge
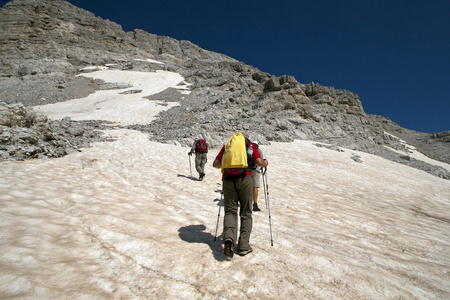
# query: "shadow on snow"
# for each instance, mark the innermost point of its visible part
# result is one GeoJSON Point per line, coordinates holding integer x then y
{"type": "Point", "coordinates": [197, 234]}
{"type": "Point", "coordinates": [189, 177]}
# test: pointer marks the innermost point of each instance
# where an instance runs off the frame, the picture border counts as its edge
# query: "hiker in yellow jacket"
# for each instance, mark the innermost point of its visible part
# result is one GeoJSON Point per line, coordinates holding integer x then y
{"type": "Point", "coordinates": [237, 187]}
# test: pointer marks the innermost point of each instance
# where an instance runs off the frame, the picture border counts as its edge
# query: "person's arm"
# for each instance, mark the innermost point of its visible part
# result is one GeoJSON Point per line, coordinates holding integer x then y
{"type": "Point", "coordinates": [262, 163]}
{"type": "Point", "coordinates": [261, 153]}
{"type": "Point", "coordinates": [193, 148]}
{"type": "Point", "coordinates": [218, 161]}
{"type": "Point", "coordinates": [216, 164]}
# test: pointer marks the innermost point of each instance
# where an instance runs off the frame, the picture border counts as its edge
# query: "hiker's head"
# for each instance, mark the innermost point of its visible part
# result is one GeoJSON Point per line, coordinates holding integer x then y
{"type": "Point", "coordinates": [256, 143]}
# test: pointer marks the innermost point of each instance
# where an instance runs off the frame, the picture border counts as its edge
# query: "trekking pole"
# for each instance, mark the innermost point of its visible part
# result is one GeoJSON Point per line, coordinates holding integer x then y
{"type": "Point", "coordinates": [190, 167]}
{"type": "Point", "coordinates": [268, 205]}
{"type": "Point", "coordinates": [263, 172]}
{"type": "Point", "coordinates": [218, 216]}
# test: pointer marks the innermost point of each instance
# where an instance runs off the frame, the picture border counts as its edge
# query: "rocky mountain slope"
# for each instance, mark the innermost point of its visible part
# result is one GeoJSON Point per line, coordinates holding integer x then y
{"type": "Point", "coordinates": [44, 44]}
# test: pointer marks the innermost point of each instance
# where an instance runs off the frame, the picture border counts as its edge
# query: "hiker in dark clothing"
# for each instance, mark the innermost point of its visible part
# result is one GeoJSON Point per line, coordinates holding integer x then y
{"type": "Point", "coordinates": [237, 187]}
{"type": "Point", "coordinates": [200, 148]}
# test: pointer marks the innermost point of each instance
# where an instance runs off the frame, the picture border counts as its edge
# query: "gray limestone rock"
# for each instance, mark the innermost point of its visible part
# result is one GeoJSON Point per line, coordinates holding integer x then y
{"type": "Point", "coordinates": [45, 44]}
{"type": "Point", "coordinates": [25, 134]}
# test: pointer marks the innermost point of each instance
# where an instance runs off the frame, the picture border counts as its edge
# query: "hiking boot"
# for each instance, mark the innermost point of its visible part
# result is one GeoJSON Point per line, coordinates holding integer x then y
{"type": "Point", "coordinates": [245, 252]}
{"type": "Point", "coordinates": [201, 176]}
{"type": "Point", "coordinates": [228, 249]}
{"type": "Point", "coordinates": [255, 207]}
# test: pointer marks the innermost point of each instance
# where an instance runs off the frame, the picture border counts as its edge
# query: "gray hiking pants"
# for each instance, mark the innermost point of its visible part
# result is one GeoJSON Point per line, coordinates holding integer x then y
{"type": "Point", "coordinates": [200, 161]}
{"type": "Point", "coordinates": [238, 190]}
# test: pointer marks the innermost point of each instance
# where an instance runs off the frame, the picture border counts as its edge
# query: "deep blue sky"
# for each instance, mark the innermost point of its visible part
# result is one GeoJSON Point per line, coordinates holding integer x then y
{"type": "Point", "coordinates": [395, 54]}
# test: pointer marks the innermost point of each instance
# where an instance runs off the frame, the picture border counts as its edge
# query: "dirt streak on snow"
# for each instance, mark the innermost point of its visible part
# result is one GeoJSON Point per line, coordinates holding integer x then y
{"type": "Point", "coordinates": [125, 220]}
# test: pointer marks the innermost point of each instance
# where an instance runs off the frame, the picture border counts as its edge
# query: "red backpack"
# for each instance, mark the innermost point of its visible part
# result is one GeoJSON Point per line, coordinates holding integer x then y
{"type": "Point", "coordinates": [202, 146]}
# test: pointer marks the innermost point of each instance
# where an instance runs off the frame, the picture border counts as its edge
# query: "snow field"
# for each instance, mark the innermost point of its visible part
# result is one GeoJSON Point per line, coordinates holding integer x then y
{"type": "Point", "coordinates": [125, 219]}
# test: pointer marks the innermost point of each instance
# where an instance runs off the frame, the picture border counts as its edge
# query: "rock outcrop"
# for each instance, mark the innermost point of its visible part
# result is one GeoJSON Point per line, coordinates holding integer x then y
{"type": "Point", "coordinates": [45, 44]}
{"type": "Point", "coordinates": [25, 134]}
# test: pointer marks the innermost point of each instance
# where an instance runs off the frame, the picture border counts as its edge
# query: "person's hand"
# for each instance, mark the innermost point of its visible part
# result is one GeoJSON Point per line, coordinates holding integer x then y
{"type": "Point", "coordinates": [264, 170]}
{"type": "Point", "coordinates": [189, 153]}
